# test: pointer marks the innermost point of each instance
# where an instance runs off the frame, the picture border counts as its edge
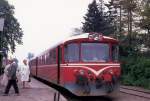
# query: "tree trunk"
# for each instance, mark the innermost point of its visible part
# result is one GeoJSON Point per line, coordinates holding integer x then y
{"type": "Point", "coordinates": [130, 40]}
{"type": "Point", "coordinates": [120, 21]}
{"type": "Point", "coordinates": [128, 27]}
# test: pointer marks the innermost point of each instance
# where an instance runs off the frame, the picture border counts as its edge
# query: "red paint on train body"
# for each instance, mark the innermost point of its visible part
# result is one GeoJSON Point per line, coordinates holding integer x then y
{"type": "Point", "coordinates": [89, 65]}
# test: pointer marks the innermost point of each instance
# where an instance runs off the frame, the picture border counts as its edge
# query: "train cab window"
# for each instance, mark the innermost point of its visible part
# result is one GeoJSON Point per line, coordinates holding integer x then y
{"type": "Point", "coordinates": [115, 53]}
{"type": "Point", "coordinates": [72, 52]}
{"type": "Point", "coordinates": [94, 52]}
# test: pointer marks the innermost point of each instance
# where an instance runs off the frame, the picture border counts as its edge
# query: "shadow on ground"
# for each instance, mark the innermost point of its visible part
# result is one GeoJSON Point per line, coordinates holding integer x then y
{"type": "Point", "coordinates": [98, 98]}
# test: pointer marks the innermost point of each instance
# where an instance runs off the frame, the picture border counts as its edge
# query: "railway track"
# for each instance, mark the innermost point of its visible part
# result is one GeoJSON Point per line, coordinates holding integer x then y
{"type": "Point", "coordinates": [135, 92]}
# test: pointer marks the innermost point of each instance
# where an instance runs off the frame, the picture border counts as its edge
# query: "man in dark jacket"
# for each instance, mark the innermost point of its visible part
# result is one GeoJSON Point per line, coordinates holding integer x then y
{"type": "Point", "coordinates": [12, 78]}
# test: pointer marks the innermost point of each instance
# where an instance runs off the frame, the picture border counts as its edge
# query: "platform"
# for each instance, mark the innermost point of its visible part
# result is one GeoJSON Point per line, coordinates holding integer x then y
{"type": "Point", "coordinates": [35, 91]}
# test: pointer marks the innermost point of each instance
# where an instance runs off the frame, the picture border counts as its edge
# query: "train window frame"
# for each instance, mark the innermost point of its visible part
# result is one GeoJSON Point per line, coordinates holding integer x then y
{"type": "Point", "coordinates": [65, 51]}
{"type": "Point", "coordinates": [112, 54]}
{"type": "Point", "coordinates": [108, 57]}
{"type": "Point", "coordinates": [52, 56]}
{"type": "Point", "coordinates": [40, 60]}
{"type": "Point", "coordinates": [47, 58]}
{"type": "Point", "coordinates": [43, 59]}
{"type": "Point", "coordinates": [60, 54]}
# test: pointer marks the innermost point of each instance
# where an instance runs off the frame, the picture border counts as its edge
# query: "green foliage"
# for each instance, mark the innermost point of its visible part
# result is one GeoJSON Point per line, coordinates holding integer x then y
{"type": "Point", "coordinates": [128, 50]}
{"type": "Point", "coordinates": [145, 21]}
{"type": "Point", "coordinates": [96, 20]}
{"type": "Point", "coordinates": [12, 33]}
{"type": "Point", "coordinates": [30, 55]}
{"type": "Point", "coordinates": [136, 71]}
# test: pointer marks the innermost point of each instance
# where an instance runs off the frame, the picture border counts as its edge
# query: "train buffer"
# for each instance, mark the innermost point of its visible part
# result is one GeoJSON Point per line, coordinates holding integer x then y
{"type": "Point", "coordinates": [35, 91]}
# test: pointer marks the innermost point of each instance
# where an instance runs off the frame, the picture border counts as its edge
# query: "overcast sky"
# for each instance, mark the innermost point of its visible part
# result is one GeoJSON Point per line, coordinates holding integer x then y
{"type": "Point", "coordinates": [46, 22]}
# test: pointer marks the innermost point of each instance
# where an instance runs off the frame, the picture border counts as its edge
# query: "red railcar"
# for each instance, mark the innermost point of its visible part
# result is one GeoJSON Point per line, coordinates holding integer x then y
{"type": "Point", "coordinates": [89, 65]}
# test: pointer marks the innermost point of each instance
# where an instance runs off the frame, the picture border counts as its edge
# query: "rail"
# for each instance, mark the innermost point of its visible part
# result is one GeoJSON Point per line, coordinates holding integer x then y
{"type": "Point", "coordinates": [135, 92]}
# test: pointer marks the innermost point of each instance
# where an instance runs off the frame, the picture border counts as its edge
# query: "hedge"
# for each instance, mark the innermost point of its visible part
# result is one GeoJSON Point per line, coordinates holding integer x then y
{"type": "Point", "coordinates": [136, 71]}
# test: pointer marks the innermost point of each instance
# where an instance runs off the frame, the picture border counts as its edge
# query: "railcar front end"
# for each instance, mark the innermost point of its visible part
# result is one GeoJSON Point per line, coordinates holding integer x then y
{"type": "Point", "coordinates": [91, 67]}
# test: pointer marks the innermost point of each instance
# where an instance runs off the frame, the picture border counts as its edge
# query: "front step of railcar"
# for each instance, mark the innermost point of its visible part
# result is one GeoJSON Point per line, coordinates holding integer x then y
{"type": "Point", "coordinates": [91, 89]}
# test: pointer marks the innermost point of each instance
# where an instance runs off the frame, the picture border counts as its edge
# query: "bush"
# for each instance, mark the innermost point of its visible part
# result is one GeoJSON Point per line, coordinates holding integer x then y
{"type": "Point", "coordinates": [136, 71]}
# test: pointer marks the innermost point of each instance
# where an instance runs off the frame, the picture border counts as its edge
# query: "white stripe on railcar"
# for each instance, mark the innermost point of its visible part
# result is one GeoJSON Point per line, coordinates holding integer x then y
{"type": "Point", "coordinates": [92, 70]}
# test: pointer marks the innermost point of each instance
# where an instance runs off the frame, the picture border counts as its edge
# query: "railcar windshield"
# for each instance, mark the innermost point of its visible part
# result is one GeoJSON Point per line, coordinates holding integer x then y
{"type": "Point", "coordinates": [87, 52]}
{"type": "Point", "coordinates": [94, 52]}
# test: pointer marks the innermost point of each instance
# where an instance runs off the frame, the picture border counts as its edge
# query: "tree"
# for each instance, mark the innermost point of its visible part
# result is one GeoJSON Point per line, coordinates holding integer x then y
{"type": "Point", "coordinates": [129, 8]}
{"type": "Point", "coordinates": [145, 21]}
{"type": "Point", "coordinates": [76, 31]}
{"type": "Point", "coordinates": [30, 55]}
{"type": "Point", "coordinates": [96, 20]}
{"type": "Point", "coordinates": [12, 33]}
{"type": "Point", "coordinates": [113, 16]}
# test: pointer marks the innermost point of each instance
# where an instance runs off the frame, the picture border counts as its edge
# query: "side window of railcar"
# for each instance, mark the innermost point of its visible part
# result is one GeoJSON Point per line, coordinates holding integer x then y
{"type": "Point", "coordinates": [43, 60]}
{"type": "Point", "coordinates": [50, 59]}
{"type": "Point", "coordinates": [72, 52]}
{"type": "Point", "coordinates": [47, 58]}
{"type": "Point", "coordinates": [60, 55]}
{"type": "Point", "coordinates": [115, 53]}
{"type": "Point", "coordinates": [38, 60]}
{"type": "Point", "coordinates": [52, 56]}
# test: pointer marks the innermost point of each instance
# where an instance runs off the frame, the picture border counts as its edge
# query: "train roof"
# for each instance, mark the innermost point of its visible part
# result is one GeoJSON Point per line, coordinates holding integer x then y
{"type": "Point", "coordinates": [78, 37]}
{"type": "Point", "coordinates": [86, 36]}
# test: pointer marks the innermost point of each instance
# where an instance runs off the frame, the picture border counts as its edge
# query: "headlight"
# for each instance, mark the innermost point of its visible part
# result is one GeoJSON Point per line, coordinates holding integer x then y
{"type": "Point", "coordinates": [82, 72]}
{"type": "Point", "coordinates": [111, 71]}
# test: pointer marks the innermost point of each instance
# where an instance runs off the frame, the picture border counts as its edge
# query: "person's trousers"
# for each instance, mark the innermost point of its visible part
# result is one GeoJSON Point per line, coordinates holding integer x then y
{"type": "Point", "coordinates": [14, 84]}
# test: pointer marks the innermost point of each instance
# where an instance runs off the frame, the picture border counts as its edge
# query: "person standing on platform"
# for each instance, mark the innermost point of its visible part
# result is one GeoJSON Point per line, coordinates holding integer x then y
{"type": "Point", "coordinates": [4, 80]}
{"type": "Point", "coordinates": [12, 78]}
{"type": "Point", "coordinates": [25, 73]}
